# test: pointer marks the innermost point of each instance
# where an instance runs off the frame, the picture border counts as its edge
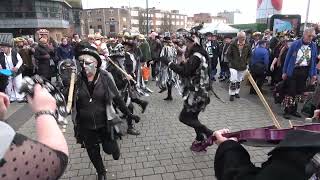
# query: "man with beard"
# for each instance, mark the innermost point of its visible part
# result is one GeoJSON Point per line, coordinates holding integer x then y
{"type": "Point", "coordinates": [195, 70]}
{"type": "Point", "coordinates": [93, 110]}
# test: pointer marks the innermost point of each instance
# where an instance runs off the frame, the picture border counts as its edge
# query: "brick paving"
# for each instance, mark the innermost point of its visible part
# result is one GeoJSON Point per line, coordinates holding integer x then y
{"type": "Point", "coordinates": [162, 149]}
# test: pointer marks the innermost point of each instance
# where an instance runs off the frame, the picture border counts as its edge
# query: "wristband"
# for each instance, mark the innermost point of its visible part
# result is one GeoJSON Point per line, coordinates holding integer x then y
{"type": "Point", "coordinates": [47, 112]}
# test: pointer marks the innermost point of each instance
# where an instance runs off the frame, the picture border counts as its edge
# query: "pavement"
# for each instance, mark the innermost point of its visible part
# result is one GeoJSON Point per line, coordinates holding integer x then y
{"type": "Point", "coordinates": [162, 150]}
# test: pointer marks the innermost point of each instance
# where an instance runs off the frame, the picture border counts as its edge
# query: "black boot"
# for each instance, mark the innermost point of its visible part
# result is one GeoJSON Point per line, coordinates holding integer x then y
{"type": "Point", "coordinates": [141, 103]}
{"type": "Point", "coordinates": [162, 90]}
{"type": "Point", "coordinates": [232, 98]}
{"type": "Point", "coordinates": [143, 106]}
{"type": "Point", "coordinates": [237, 96]}
{"type": "Point", "coordinates": [131, 130]}
{"type": "Point", "coordinates": [286, 115]}
{"type": "Point", "coordinates": [102, 176]}
{"type": "Point", "coordinates": [116, 152]}
{"type": "Point", "coordinates": [169, 97]}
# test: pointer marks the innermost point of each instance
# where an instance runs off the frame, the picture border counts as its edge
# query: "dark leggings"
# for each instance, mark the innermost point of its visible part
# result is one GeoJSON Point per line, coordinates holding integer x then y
{"type": "Point", "coordinates": [129, 120]}
{"type": "Point", "coordinates": [169, 86]}
{"type": "Point", "coordinates": [92, 140]}
{"type": "Point", "coordinates": [191, 119]}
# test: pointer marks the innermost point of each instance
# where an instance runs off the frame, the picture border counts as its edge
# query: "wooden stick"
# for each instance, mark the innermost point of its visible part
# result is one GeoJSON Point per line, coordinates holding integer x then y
{"type": "Point", "coordinates": [120, 69]}
{"type": "Point", "coordinates": [71, 90]}
{"type": "Point", "coordinates": [263, 100]}
{"type": "Point", "coordinates": [290, 124]}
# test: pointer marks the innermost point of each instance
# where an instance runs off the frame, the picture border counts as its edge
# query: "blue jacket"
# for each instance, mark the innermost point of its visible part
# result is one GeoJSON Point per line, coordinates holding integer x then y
{"type": "Point", "coordinates": [260, 55]}
{"type": "Point", "coordinates": [65, 52]}
{"type": "Point", "coordinates": [290, 61]}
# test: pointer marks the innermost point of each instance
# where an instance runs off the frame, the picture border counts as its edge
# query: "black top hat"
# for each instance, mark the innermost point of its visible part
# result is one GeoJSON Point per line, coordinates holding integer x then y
{"type": "Point", "coordinates": [167, 39]}
{"type": "Point", "coordinates": [91, 51]}
{"type": "Point", "coordinates": [228, 37]}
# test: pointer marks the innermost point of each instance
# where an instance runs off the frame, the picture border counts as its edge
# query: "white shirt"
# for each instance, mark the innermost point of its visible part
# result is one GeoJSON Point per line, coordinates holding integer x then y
{"type": "Point", "coordinates": [9, 63]}
{"type": "Point", "coordinates": [303, 56]}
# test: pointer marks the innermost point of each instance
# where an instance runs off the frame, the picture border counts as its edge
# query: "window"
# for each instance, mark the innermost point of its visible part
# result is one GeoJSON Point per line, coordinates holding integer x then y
{"type": "Point", "coordinates": [112, 28]}
{"type": "Point", "coordinates": [111, 11]}
{"type": "Point", "coordinates": [134, 21]}
{"type": "Point", "coordinates": [99, 20]}
{"type": "Point", "coordinates": [159, 15]}
{"type": "Point", "coordinates": [158, 23]}
{"type": "Point", "coordinates": [134, 13]}
{"type": "Point", "coordinates": [112, 19]}
{"type": "Point", "coordinates": [98, 12]}
{"type": "Point", "coordinates": [99, 26]}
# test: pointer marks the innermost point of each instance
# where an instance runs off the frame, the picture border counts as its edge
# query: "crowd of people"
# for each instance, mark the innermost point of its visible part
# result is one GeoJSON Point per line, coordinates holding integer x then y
{"type": "Point", "coordinates": [112, 75]}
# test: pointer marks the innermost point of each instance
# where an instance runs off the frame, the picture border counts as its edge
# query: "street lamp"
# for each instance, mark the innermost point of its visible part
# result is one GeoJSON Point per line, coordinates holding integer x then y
{"type": "Point", "coordinates": [147, 4]}
{"type": "Point", "coordinates": [307, 15]}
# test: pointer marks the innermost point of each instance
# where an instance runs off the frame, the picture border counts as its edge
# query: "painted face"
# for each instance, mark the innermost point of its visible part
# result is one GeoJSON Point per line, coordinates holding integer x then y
{"type": "Point", "coordinates": [89, 63]}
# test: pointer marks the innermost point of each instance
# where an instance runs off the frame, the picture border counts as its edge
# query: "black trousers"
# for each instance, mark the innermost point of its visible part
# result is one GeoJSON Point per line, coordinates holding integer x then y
{"type": "Point", "coordinates": [259, 79]}
{"type": "Point", "coordinates": [297, 82]}
{"type": "Point", "coordinates": [154, 68]}
{"type": "Point", "coordinates": [191, 119]}
{"type": "Point", "coordinates": [92, 140]}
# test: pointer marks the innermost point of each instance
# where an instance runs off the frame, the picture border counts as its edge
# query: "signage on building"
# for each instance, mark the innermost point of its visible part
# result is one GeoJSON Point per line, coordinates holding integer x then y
{"type": "Point", "coordinates": [6, 39]}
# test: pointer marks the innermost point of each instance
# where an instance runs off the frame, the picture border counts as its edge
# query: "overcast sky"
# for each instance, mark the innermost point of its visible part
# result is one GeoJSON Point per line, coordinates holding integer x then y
{"type": "Point", "coordinates": [189, 7]}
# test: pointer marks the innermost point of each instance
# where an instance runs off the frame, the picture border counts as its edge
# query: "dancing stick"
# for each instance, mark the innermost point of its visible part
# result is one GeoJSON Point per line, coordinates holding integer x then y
{"type": "Point", "coordinates": [70, 97]}
{"type": "Point", "coordinates": [71, 90]}
{"type": "Point", "coordinates": [263, 100]}
{"type": "Point", "coordinates": [120, 69]}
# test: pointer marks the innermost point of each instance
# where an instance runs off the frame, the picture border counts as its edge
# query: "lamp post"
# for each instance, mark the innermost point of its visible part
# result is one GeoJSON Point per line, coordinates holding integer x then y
{"type": "Point", "coordinates": [147, 28]}
{"type": "Point", "coordinates": [307, 15]}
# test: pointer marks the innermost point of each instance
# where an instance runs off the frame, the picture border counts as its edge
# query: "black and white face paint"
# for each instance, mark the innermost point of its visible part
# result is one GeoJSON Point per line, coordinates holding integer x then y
{"type": "Point", "coordinates": [89, 63]}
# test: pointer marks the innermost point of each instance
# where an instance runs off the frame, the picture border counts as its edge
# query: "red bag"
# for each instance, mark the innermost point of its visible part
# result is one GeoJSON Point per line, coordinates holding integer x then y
{"type": "Point", "coordinates": [145, 71]}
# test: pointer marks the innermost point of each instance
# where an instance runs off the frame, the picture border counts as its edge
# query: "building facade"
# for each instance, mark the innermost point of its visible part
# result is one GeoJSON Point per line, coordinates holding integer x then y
{"type": "Point", "coordinates": [204, 18]}
{"type": "Point", "coordinates": [230, 16]}
{"type": "Point", "coordinates": [159, 20]}
{"type": "Point", "coordinates": [25, 17]}
{"type": "Point", "coordinates": [108, 21]}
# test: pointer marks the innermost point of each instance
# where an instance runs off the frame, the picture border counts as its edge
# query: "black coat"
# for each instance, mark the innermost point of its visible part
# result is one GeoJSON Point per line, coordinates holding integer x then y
{"type": "Point", "coordinates": [287, 161]}
{"type": "Point", "coordinates": [43, 55]}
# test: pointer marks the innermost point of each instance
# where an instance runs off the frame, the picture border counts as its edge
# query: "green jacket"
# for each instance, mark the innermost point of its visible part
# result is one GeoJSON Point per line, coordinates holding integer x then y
{"type": "Point", "coordinates": [236, 61]}
{"type": "Point", "coordinates": [145, 49]}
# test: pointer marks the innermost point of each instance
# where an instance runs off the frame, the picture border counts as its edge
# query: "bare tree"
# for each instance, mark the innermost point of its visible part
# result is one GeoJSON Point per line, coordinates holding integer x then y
{"type": "Point", "coordinates": [142, 22]}
{"type": "Point", "coordinates": [166, 25]}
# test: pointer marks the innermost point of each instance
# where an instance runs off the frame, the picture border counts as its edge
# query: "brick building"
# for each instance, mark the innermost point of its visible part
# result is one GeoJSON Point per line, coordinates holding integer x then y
{"type": "Point", "coordinates": [108, 21]}
{"type": "Point", "coordinates": [159, 20]}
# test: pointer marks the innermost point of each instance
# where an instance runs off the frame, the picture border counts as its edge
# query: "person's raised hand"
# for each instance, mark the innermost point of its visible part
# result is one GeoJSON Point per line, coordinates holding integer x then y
{"type": "Point", "coordinates": [42, 100]}
{"type": "Point", "coordinates": [4, 104]}
{"type": "Point", "coordinates": [284, 76]}
{"type": "Point", "coordinates": [220, 138]}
